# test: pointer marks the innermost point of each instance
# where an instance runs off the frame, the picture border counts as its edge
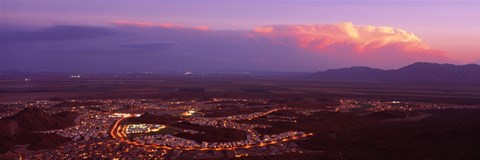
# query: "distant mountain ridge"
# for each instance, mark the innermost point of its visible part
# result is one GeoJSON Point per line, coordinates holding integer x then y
{"type": "Point", "coordinates": [417, 72]}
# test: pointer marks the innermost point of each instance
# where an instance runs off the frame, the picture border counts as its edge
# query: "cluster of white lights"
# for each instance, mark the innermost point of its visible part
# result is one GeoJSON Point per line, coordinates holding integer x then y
{"type": "Point", "coordinates": [75, 76]}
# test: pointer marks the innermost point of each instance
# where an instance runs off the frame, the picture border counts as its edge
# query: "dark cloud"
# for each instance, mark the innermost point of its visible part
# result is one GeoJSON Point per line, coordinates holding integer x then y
{"type": "Point", "coordinates": [55, 33]}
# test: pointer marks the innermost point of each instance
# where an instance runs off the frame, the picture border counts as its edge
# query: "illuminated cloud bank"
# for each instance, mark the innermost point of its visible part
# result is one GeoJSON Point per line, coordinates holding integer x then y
{"type": "Point", "coordinates": [330, 36]}
{"type": "Point", "coordinates": [357, 45]}
{"type": "Point", "coordinates": [146, 46]}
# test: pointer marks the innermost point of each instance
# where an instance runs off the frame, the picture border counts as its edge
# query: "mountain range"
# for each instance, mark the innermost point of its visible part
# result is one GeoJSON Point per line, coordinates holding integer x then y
{"type": "Point", "coordinates": [423, 72]}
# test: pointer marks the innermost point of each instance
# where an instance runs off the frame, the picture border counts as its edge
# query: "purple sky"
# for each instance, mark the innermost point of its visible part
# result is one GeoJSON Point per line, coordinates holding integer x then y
{"type": "Point", "coordinates": [297, 35]}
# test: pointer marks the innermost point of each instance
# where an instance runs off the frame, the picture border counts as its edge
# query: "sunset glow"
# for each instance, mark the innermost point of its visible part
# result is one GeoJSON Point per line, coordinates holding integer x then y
{"type": "Point", "coordinates": [359, 38]}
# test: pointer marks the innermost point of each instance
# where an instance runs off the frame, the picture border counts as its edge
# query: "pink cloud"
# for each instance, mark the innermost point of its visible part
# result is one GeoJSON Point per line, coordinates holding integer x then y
{"type": "Point", "coordinates": [264, 30]}
{"type": "Point", "coordinates": [169, 25]}
{"type": "Point", "coordinates": [129, 23]}
{"type": "Point", "coordinates": [362, 44]}
{"type": "Point", "coordinates": [201, 28]}
{"type": "Point", "coordinates": [360, 38]}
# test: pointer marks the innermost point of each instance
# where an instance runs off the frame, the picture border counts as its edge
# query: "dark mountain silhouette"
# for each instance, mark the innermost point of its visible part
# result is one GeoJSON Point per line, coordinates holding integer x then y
{"type": "Point", "coordinates": [417, 72]}
{"type": "Point", "coordinates": [35, 119]}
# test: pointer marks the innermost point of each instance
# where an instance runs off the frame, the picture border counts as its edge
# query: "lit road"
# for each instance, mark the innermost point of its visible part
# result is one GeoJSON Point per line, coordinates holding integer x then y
{"type": "Point", "coordinates": [118, 132]}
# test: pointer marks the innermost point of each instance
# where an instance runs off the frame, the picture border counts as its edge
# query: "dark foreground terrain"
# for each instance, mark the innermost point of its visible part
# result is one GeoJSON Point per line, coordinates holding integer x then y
{"type": "Point", "coordinates": [448, 134]}
{"type": "Point", "coordinates": [314, 106]}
